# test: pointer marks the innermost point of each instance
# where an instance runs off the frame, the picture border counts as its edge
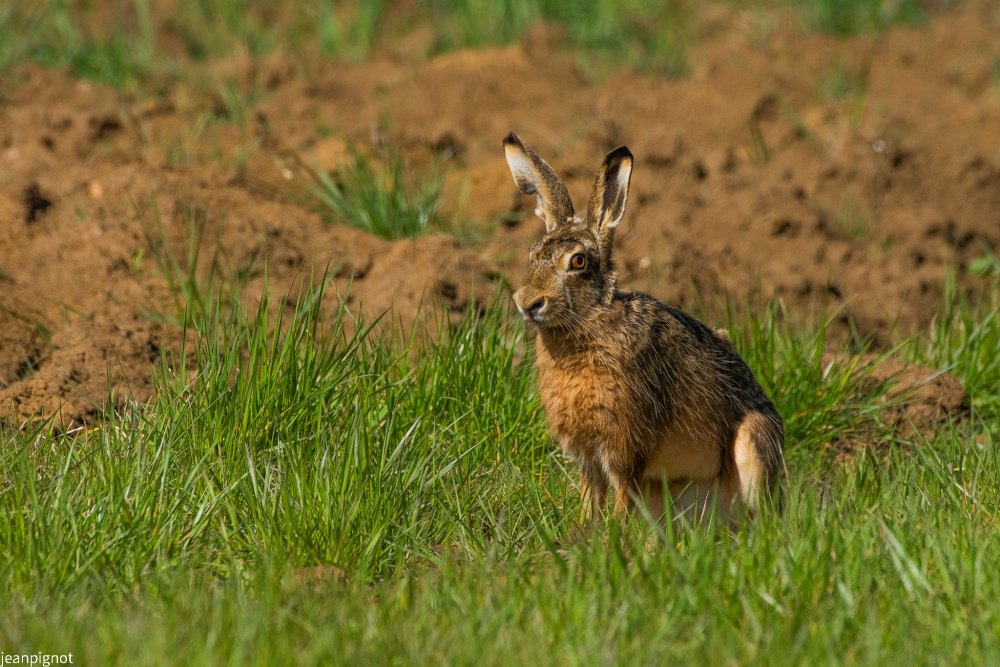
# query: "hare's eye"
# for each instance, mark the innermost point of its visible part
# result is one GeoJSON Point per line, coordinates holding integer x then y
{"type": "Point", "coordinates": [578, 262]}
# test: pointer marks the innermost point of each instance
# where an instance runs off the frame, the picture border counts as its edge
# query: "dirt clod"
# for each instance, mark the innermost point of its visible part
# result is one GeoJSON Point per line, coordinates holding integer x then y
{"type": "Point", "coordinates": [35, 203]}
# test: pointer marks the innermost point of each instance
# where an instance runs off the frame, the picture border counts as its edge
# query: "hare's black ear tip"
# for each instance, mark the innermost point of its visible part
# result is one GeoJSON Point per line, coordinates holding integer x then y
{"type": "Point", "coordinates": [619, 154]}
{"type": "Point", "coordinates": [512, 139]}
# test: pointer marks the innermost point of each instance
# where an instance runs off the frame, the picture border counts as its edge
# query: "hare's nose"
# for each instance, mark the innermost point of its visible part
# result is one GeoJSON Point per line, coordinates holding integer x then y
{"type": "Point", "coordinates": [533, 313]}
{"type": "Point", "coordinates": [535, 309]}
{"type": "Point", "coordinates": [529, 306]}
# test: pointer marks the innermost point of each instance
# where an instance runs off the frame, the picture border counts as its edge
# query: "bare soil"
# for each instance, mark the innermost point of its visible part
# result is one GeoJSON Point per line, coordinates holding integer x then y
{"type": "Point", "coordinates": [837, 175]}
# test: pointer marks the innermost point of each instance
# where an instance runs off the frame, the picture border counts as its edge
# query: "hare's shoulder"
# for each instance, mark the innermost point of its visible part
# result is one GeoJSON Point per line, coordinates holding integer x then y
{"type": "Point", "coordinates": [648, 312]}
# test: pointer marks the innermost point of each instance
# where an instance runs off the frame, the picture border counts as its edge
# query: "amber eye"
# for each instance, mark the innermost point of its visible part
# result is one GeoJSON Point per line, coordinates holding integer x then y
{"type": "Point", "coordinates": [578, 262]}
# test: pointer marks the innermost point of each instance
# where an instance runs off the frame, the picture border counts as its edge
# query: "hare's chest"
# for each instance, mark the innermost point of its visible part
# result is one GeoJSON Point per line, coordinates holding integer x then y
{"type": "Point", "coordinates": [582, 406]}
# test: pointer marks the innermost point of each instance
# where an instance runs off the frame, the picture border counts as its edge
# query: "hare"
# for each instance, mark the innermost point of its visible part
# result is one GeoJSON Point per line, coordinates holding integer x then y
{"type": "Point", "coordinates": [645, 397]}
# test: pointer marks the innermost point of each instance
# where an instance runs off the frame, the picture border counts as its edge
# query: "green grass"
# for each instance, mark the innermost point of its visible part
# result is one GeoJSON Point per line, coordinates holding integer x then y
{"type": "Point", "coordinates": [128, 43]}
{"type": "Point", "coordinates": [117, 49]}
{"type": "Point", "coordinates": [845, 83]}
{"type": "Point", "coordinates": [210, 28]}
{"type": "Point", "coordinates": [138, 41]}
{"type": "Point", "coordinates": [193, 295]}
{"type": "Point", "coordinates": [965, 338]}
{"type": "Point", "coordinates": [986, 264]}
{"type": "Point", "coordinates": [381, 194]}
{"type": "Point", "coordinates": [852, 220]}
{"type": "Point", "coordinates": [650, 36]}
{"type": "Point", "coordinates": [135, 41]}
{"type": "Point", "coordinates": [839, 83]}
{"type": "Point", "coordinates": [424, 487]}
{"type": "Point", "coordinates": [849, 17]}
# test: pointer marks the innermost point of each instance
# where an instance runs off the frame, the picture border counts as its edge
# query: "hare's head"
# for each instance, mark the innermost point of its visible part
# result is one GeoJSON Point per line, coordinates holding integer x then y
{"type": "Point", "coordinates": [570, 274]}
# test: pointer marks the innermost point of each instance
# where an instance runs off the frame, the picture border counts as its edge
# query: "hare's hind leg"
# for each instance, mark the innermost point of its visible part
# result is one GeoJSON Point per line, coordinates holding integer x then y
{"type": "Point", "coordinates": [757, 454]}
{"type": "Point", "coordinates": [593, 492]}
{"type": "Point", "coordinates": [652, 493]}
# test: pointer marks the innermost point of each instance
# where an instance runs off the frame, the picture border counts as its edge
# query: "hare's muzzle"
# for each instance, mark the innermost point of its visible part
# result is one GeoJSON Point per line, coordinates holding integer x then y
{"type": "Point", "coordinates": [531, 306]}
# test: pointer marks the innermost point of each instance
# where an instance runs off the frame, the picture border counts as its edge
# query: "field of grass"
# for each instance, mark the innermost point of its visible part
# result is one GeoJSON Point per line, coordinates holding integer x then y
{"type": "Point", "coordinates": [310, 496]}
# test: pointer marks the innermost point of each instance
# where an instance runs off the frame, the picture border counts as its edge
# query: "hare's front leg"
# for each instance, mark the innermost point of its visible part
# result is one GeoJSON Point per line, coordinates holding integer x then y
{"type": "Point", "coordinates": [623, 502]}
{"type": "Point", "coordinates": [627, 489]}
{"type": "Point", "coordinates": [593, 492]}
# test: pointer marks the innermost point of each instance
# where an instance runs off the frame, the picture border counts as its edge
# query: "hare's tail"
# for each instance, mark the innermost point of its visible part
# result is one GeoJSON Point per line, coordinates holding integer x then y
{"type": "Point", "coordinates": [757, 452]}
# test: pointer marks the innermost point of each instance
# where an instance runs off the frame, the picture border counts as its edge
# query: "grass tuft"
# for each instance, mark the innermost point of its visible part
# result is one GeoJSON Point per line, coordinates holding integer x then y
{"type": "Point", "coordinates": [965, 338]}
{"type": "Point", "coordinates": [382, 195]}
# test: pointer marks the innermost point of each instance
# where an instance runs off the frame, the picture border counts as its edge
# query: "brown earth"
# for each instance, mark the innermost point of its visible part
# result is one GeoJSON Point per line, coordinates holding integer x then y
{"type": "Point", "coordinates": [755, 179]}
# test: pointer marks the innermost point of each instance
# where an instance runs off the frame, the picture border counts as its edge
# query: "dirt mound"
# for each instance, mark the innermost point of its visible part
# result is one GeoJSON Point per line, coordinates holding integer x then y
{"type": "Point", "coordinates": [21, 342]}
{"type": "Point", "coordinates": [843, 173]}
{"type": "Point", "coordinates": [96, 225]}
{"type": "Point", "coordinates": [920, 399]}
{"type": "Point", "coordinates": [924, 398]}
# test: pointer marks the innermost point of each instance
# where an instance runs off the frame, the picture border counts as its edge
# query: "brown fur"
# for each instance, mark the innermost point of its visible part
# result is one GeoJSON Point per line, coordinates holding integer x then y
{"type": "Point", "coordinates": [640, 394]}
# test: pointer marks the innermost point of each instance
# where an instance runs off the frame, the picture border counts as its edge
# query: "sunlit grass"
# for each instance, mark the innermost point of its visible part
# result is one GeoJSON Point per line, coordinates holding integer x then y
{"type": "Point", "coordinates": [965, 339]}
{"type": "Point", "coordinates": [139, 40]}
{"type": "Point", "coordinates": [118, 50]}
{"type": "Point", "coordinates": [381, 194]}
{"type": "Point", "coordinates": [302, 491]}
{"type": "Point", "coordinates": [650, 36]}
{"type": "Point", "coordinates": [126, 44]}
{"type": "Point", "coordinates": [849, 17]}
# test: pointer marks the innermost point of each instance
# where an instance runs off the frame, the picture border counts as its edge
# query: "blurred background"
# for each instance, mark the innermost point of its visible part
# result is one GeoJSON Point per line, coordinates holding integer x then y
{"type": "Point", "coordinates": [841, 157]}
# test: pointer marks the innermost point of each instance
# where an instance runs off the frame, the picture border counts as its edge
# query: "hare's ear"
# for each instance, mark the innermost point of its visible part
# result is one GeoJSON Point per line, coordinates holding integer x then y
{"type": "Point", "coordinates": [534, 177]}
{"type": "Point", "coordinates": [607, 203]}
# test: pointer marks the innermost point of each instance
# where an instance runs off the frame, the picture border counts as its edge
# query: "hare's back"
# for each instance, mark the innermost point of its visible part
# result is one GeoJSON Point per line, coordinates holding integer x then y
{"type": "Point", "coordinates": [695, 363]}
{"type": "Point", "coordinates": [713, 362]}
